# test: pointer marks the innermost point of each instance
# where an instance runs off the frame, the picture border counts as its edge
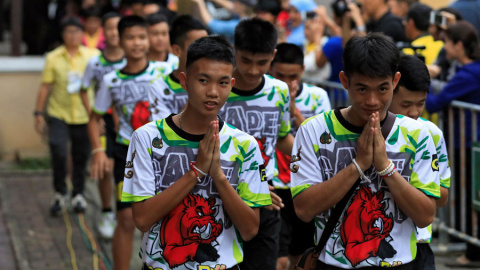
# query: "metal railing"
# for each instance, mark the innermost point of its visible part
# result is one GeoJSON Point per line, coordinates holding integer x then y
{"type": "Point", "coordinates": [448, 216]}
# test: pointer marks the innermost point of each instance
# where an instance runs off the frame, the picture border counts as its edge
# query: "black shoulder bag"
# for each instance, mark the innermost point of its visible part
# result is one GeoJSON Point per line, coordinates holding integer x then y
{"type": "Point", "coordinates": [309, 259]}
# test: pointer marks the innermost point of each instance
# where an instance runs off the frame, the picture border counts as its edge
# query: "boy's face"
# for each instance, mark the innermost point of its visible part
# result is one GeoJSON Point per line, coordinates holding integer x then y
{"type": "Point", "coordinates": [294, 16]}
{"type": "Point", "coordinates": [158, 37]}
{"type": "Point", "coordinates": [398, 8]}
{"type": "Point", "coordinates": [368, 95]}
{"type": "Point", "coordinates": [408, 103]}
{"type": "Point", "coordinates": [134, 42]}
{"type": "Point", "coordinates": [252, 66]}
{"type": "Point", "coordinates": [287, 72]}
{"type": "Point", "coordinates": [370, 7]}
{"type": "Point", "coordinates": [110, 30]}
{"type": "Point", "coordinates": [72, 35]}
{"type": "Point", "coordinates": [208, 83]}
{"type": "Point", "coordinates": [92, 24]}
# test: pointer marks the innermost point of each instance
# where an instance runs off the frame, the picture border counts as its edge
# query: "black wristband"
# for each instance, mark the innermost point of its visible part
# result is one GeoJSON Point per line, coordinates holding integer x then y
{"type": "Point", "coordinates": [36, 113]}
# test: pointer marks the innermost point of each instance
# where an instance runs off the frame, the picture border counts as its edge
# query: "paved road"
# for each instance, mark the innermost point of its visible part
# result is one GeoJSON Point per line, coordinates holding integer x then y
{"type": "Point", "coordinates": [31, 239]}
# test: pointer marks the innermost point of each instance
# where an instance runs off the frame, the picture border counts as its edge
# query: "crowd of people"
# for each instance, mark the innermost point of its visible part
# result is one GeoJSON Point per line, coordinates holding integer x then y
{"type": "Point", "coordinates": [203, 133]}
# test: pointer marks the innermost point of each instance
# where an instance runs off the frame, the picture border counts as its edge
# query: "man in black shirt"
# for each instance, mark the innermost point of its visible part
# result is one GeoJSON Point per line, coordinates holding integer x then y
{"type": "Point", "coordinates": [382, 20]}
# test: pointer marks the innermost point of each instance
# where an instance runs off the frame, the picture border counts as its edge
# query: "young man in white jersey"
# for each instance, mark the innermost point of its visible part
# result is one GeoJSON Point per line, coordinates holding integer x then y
{"type": "Point", "coordinates": [388, 161]}
{"type": "Point", "coordinates": [110, 59]}
{"type": "Point", "coordinates": [305, 101]}
{"type": "Point", "coordinates": [258, 105]}
{"type": "Point", "coordinates": [172, 97]}
{"type": "Point", "coordinates": [126, 90]}
{"type": "Point", "coordinates": [195, 182]}
{"type": "Point", "coordinates": [409, 99]}
{"type": "Point", "coordinates": [159, 40]}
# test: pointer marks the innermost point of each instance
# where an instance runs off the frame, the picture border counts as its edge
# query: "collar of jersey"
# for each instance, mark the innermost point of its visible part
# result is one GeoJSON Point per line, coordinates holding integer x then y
{"type": "Point", "coordinates": [174, 136]}
{"type": "Point", "coordinates": [105, 62]}
{"type": "Point", "coordinates": [173, 83]}
{"type": "Point", "coordinates": [125, 75]}
{"type": "Point", "coordinates": [347, 125]}
{"type": "Point", "coordinates": [249, 92]}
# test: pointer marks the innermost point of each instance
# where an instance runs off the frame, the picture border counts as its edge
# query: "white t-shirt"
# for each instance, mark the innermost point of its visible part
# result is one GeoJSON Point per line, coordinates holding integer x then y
{"type": "Point", "coordinates": [197, 234]}
{"type": "Point", "coordinates": [262, 113]}
{"type": "Point", "coordinates": [96, 68]}
{"type": "Point", "coordinates": [129, 94]}
{"type": "Point", "coordinates": [424, 235]}
{"type": "Point", "coordinates": [166, 97]}
{"type": "Point", "coordinates": [372, 230]}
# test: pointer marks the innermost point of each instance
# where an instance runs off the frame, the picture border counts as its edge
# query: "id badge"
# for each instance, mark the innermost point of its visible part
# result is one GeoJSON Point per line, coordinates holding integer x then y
{"type": "Point", "coordinates": [74, 82]}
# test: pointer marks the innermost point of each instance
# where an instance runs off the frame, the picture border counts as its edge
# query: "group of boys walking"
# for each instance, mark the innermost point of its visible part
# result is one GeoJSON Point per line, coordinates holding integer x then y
{"type": "Point", "coordinates": [201, 152]}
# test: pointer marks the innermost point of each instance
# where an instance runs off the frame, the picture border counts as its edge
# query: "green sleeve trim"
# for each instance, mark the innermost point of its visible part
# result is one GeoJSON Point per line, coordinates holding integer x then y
{"type": "Point", "coordinates": [253, 199]}
{"type": "Point", "coordinates": [445, 182]}
{"type": "Point", "coordinates": [430, 194]}
{"type": "Point", "coordinates": [129, 198]}
{"type": "Point", "coordinates": [299, 189]}
{"type": "Point", "coordinates": [431, 189]}
{"type": "Point", "coordinates": [97, 111]}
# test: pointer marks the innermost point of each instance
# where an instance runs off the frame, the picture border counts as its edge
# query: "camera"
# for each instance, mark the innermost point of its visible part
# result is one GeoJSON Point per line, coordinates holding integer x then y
{"type": "Point", "coordinates": [308, 15]}
{"type": "Point", "coordinates": [438, 19]}
{"type": "Point", "coordinates": [340, 7]}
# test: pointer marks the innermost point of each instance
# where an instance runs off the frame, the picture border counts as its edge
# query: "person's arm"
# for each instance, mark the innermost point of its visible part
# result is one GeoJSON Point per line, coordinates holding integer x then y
{"type": "Point", "coordinates": [461, 84]}
{"type": "Point", "coordinates": [443, 197]}
{"type": "Point", "coordinates": [444, 171]}
{"type": "Point", "coordinates": [310, 199]}
{"type": "Point", "coordinates": [88, 77]}
{"type": "Point", "coordinates": [414, 203]}
{"type": "Point", "coordinates": [205, 16]}
{"type": "Point", "coordinates": [228, 5]}
{"type": "Point", "coordinates": [85, 101]}
{"type": "Point", "coordinates": [285, 144]}
{"type": "Point", "coordinates": [328, 22]}
{"type": "Point", "coordinates": [42, 96]}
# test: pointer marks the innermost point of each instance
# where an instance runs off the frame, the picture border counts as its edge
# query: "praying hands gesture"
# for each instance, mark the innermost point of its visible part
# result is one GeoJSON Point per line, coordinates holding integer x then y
{"type": "Point", "coordinates": [208, 158]}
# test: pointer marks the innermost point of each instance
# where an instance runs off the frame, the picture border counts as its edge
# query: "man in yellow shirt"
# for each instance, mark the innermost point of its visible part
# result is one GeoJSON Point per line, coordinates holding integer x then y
{"type": "Point", "coordinates": [416, 30]}
{"type": "Point", "coordinates": [65, 115]}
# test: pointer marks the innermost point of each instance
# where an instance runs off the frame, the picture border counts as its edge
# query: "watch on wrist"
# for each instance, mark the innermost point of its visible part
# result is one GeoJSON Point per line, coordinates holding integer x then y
{"type": "Point", "coordinates": [37, 113]}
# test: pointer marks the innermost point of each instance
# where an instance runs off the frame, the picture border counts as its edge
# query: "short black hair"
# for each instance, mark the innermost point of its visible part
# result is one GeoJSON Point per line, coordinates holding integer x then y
{"type": "Point", "coordinates": [466, 33]}
{"type": "Point", "coordinates": [288, 53]}
{"type": "Point", "coordinates": [454, 12]}
{"type": "Point", "coordinates": [155, 18]}
{"type": "Point", "coordinates": [110, 15]}
{"type": "Point", "coordinates": [215, 48]}
{"type": "Point", "coordinates": [92, 11]}
{"type": "Point", "coordinates": [131, 21]}
{"type": "Point", "coordinates": [415, 76]}
{"type": "Point", "coordinates": [271, 6]}
{"type": "Point", "coordinates": [181, 26]}
{"type": "Point", "coordinates": [256, 36]}
{"type": "Point", "coordinates": [71, 21]}
{"type": "Point", "coordinates": [373, 55]}
{"type": "Point", "coordinates": [420, 14]}
{"type": "Point", "coordinates": [160, 3]}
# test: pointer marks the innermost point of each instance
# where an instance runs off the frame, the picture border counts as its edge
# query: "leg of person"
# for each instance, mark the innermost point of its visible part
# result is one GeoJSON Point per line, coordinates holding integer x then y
{"type": "Point", "coordinates": [261, 252]}
{"type": "Point", "coordinates": [285, 235]}
{"type": "Point", "coordinates": [122, 243]}
{"type": "Point", "coordinates": [106, 225]}
{"type": "Point", "coordinates": [302, 233]}
{"type": "Point", "coordinates": [80, 154]}
{"type": "Point", "coordinates": [57, 141]}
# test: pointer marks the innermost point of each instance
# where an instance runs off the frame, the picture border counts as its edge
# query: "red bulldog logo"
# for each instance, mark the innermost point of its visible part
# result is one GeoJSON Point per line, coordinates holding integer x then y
{"type": "Point", "coordinates": [140, 115]}
{"type": "Point", "coordinates": [365, 227]}
{"type": "Point", "coordinates": [188, 231]}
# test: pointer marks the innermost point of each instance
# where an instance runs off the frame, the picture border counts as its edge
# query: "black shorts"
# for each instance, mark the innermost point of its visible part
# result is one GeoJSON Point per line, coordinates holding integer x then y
{"type": "Point", "coordinates": [295, 235]}
{"type": "Point", "coordinates": [425, 259]}
{"type": "Point", "coordinates": [110, 134]}
{"type": "Point", "coordinates": [120, 156]}
{"type": "Point", "coordinates": [261, 251]}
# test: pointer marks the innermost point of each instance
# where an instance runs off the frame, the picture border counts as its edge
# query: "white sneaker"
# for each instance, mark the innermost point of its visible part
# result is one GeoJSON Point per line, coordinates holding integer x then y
{"type": "Point", "coordinates": [57, 205]}
{"type": "Point", "coordinates": [107, 224]}
{"type": "Point", "coordinates": [79, 203]}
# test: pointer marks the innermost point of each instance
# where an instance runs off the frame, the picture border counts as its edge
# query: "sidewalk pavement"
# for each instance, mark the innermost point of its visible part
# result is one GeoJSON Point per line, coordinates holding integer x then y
{"type": "Point", "coordinates": [31, 239]}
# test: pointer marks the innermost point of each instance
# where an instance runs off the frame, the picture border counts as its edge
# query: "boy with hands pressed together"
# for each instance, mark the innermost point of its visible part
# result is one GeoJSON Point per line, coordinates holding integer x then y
{"type": "Point", "coordinates": [194, 181]}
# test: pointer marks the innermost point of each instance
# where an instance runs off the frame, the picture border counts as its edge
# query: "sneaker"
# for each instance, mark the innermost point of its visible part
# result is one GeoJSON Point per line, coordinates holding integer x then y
{"type": "Point", "coordinates": [58, 203]}
{"type": "Point", "coordinates": [79, 204]}
{"type": "Point", "coordinates": [107, 224]}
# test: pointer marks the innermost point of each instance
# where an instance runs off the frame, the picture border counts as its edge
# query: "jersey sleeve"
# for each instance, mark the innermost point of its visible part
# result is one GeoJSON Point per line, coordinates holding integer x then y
{"type": "Point", "coordinates": [443, 166]}
{"type": "Point", "coordinates": [285, 126]}
{"type": "Point", "coordinates": [253, 185]}
{"type": "Point", "coordinates": [304, 167]}
{"type": "Point", "coordinates": [88, 75]}
{"type": "Point", "coordinates": [103, 99]}
{"type": "Point", "coordinates": [156, 99]}
{"type": "Point", "coordinates": [425, 162]}
{"type": "Point", "coordinates": [323, 103]}
{"type": "Point", "coordinates": [139, 180]}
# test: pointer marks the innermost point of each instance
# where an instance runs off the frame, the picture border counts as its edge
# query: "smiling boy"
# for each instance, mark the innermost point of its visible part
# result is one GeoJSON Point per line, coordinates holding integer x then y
{"type": "Point", "coordinates": [195, 182]}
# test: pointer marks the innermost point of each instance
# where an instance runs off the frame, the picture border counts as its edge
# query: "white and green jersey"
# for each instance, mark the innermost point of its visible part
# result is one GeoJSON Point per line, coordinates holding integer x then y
{"type": "Point", "coordinates": [372, 230]}
{"type": "Point", "coordinates": [262, 113]}
{"type": "Point", "coordinates": [198, 233]}
{"type": "Point", "coordinates": [166, 97]}
{"type": "Point", "coordinates": [424, 235]}
{"type": "Point", "coordinates": [173, 61]}
{"type": "Point", "coordinates": [129, 94]}
{"type": "Point", "coordinates": [97, 67]}
{"type": "Point", "coordinates": [311, 100]}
